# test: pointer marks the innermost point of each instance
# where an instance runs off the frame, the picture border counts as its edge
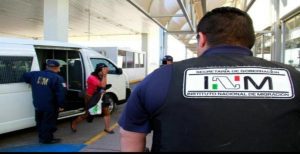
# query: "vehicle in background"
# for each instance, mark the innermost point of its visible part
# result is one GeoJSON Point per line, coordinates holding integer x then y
{"type": "Point", "coordinates": [132, 62]}
{"type": "Point", "coordinates": [18, 56]}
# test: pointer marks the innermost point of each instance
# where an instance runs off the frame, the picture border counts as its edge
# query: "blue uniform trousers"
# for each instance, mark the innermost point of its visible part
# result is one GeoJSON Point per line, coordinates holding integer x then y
{"type": "Point", "coordinates": [46, 124]}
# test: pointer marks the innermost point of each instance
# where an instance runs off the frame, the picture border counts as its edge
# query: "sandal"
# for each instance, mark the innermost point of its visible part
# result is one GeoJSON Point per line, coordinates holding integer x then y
{"type": "Point", "coordinates": [109, 132]}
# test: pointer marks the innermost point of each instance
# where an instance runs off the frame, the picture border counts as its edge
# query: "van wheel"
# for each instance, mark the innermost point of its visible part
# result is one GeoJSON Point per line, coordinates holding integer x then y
{"type": "Point", "coordinates": [112, 104]}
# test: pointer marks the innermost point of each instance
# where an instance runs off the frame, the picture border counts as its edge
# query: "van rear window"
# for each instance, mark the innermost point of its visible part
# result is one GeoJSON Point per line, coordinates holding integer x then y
{"type": "Point", "coordinates": [12, 68]}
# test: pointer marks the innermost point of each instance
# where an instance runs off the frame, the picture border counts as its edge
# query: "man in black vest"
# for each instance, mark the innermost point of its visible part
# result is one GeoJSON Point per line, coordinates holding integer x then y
{"type": "Point", "coordinates": [224, 100]}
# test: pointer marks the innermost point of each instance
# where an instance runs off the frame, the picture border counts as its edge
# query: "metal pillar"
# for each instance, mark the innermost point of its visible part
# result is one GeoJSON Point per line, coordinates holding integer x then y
{"type": "Point", "coordinates": [283, 37]}
{"type": "Point", "coordinates": [276, 47]}
{"type": "Point", "coordinates": [163, 37]}
{"type": "Point", "coordinates": [145, 49]}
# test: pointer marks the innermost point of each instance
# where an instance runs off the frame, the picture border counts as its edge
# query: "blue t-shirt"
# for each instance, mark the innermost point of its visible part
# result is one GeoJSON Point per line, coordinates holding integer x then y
{"type": "Point", "coordinates": [151, 93]}
{"type": "Point", "coordinates": [145, 99]}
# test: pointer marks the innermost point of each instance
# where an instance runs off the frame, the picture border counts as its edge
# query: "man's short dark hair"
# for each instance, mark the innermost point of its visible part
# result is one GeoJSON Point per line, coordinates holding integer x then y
{"type": "Point", "coordinates": [227, 25]}
{"type": "Point", "coordinates": [167, 58]}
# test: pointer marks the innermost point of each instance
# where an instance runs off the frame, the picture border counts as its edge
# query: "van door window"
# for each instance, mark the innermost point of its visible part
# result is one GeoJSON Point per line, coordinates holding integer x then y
{"type": "Point", "coordinates": [111, 66]}
{"type": "Point", "coordinates": [71, 66]}
{"type": "Point", "coordinates": [75, 71]}
{"type": "Point", "coordinates": [12, 68]}
{"type": "Point", "coordinates": [61, 55]}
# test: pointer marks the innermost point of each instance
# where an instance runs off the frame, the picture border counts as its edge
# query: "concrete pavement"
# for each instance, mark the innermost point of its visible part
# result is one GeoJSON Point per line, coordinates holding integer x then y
{"type": "Point", "coordinates": [104, 142]}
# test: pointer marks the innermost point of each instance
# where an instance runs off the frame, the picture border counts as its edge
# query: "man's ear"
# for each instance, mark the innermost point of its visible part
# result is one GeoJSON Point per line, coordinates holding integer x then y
{"type": "Point", "coordinates": [202, 44]}
{"type": "Point", "coordinates": [202, 40]}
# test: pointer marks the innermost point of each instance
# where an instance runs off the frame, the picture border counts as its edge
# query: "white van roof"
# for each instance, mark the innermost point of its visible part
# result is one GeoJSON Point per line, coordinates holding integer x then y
{"type": "Point", "coordinates": [38, 42]}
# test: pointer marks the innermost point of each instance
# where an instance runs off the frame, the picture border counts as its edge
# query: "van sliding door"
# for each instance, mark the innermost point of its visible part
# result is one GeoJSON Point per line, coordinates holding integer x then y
{"type": "Point", "coordinates": [73, 73]}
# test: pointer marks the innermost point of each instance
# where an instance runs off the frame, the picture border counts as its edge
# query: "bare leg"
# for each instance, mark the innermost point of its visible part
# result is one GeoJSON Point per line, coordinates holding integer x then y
{"type": "Point", "coordinates": [80, 118]}
{"type": "Point", "coordinates": [76, 121]}
{"type": "Point", "coordinates": [106, 118]}
{"type": "Point", "coordinates": [107, 121]}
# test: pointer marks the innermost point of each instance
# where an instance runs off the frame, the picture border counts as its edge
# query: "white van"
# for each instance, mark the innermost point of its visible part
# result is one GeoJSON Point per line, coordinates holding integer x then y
{"type": "Point", "coordinates": [131, 61]}
{"type": "Point", "coordinates": [19, 55]}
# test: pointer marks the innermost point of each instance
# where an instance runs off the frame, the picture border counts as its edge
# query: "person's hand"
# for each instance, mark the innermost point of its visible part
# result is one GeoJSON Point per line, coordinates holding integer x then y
{"type": "Point", "coordinates": [60, 109]}
{"type": "Point", "coordinates": [104, 73]}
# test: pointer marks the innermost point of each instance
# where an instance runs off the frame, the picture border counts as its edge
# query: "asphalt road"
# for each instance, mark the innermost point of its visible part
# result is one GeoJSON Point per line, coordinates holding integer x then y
{"type": "Point", "coordinates": [85, 131]}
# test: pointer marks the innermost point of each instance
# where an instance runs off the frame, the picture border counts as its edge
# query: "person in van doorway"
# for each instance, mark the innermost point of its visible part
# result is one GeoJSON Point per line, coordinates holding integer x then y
{"type": "Point", "coordinates": [96, 81]}
{"type": "Point", "coordinates": [224, 100]}
{"type": "Point", "coordinates": [167, 60]}
{"type": "Point", "coordinates": [48, 91]}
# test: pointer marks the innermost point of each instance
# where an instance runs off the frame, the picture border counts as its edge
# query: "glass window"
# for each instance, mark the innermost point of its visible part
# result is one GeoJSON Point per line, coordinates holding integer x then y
{"type": "Point", "coordinates": [292, 42]}
{"type": "Point", "coordinates": [122, 58]}
{"type": "Point", "coordinates": [112, 67]}
{"type": "Point", "coordinates": [75, 71]}
{"type": "Point", "coordinates": [61, 55]}
{"type": "Point", "coordinates": [267, 40]}
{"type": "Point", "coordinates": [136, 60]}
{"type": "Point", "coordinates": [120, 61]}
{"type": "Point", "coordinates": [13, 68]}
{"type": "Point", "coordinates": [262, 47]}
{"type": "Point", "coordinates": [71, 65]}
{"type": "Point", "coordinates": [130, 59]}
{"type": "Point", "coordinates": [258, 47]}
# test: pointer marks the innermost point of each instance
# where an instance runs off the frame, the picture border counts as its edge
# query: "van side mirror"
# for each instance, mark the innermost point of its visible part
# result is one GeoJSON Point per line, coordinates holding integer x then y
{"type": "Point", "coordinates": [119, 71]}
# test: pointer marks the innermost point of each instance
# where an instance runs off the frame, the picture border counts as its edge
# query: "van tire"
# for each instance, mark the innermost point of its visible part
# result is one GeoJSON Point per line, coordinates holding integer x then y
{"type": "Point", "coordinates": [112, 103]}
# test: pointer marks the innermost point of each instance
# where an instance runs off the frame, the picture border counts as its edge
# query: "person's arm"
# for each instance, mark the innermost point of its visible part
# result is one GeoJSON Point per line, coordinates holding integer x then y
{"type": "Point", "coordinates": [103, 82]}
{"type": "Point", "coordinates": [145, 100]}
{"type": "Point", "coordinates": [103, 79]}
{"type": "Point", "coordinates": [26, 77]}
{"type": "Point", "coordinates": [60, 92]}
{"type": "Point", "coordinates": [134, 123]}
{"type": "Point", "coordinates": [132, 141]}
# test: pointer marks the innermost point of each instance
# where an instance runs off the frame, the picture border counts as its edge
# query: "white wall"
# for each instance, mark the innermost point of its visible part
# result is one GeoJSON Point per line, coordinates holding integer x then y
{"type": "Point", "coordinates": [190, 54]}
{"type": "Point", "coordinates": [261, 12]}
{"type": "Point", "coordinates": [176, 49]}
{"type": "Point", "coordinates": [153, 49]}
{"type": "Point", "coordinates": [287, 6]}
{"type": "Point", "coordinates": [263, 15]}
{"type": "Point", "coordinates": [123, 41]}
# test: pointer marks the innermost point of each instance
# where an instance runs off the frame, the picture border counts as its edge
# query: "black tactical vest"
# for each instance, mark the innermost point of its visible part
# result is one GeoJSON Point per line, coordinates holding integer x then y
{"type": "Point", "coordinates": [227, 124]}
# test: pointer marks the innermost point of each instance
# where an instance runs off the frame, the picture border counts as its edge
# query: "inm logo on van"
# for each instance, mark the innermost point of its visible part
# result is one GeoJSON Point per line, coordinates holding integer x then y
{"type": "Point", "coordinates": [242, 82]}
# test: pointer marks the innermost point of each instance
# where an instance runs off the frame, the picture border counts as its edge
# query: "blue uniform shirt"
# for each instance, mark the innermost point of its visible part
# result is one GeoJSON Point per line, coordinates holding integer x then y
{"type": "Point", "coordinates": [48, 89]}
{"type": "Point", "coordinates": [151, 93]}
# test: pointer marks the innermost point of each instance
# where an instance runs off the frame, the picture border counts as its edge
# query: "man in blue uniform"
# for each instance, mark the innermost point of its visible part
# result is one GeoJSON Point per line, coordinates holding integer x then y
{"type": "Point", "coordinates": [48, 92]}
{"type": "Point", "coordinates": [224, 100]}
{"type": "Point", "coordinates": [167, 60]}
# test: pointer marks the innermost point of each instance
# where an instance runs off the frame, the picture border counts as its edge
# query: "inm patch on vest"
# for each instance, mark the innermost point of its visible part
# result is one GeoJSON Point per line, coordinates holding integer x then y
{"type": "Point", "coordinates": [238, 83]}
